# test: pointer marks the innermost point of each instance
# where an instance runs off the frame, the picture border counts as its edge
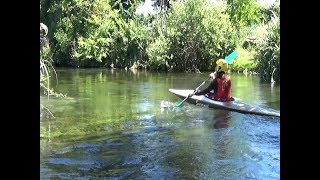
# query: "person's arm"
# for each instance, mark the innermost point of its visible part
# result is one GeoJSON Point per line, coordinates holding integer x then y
{"type": "Point", "coordinates": [208, 89]}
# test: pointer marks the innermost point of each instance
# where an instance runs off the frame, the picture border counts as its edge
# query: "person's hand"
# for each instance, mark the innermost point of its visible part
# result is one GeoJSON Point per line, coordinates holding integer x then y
{"type": "Point", "coordinates": [195, 92]}
{"type": "Point", "coordinates": [212, 75]}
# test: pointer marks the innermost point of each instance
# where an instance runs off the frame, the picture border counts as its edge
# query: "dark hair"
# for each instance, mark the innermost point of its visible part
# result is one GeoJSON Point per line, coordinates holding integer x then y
{"type": "Point", "coordinates": [220, 74]}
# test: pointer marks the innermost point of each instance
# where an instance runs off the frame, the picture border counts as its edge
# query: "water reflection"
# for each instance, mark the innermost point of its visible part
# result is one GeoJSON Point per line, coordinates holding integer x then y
{"type": "Point", "coordinates": [223, 137]}
{"type": "Point", "coordinates": [221, 119]}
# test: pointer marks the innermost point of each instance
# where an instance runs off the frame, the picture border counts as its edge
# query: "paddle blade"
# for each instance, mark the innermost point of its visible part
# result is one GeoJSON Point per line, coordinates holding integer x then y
{"type": "Point", "coordinates": [180, 104]}
{"type": "Point", "coordinates": [232, 56]}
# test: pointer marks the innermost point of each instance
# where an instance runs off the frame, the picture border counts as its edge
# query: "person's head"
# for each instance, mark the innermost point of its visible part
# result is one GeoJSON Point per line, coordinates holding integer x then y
{"type": "Point", "coordinates": [221, 67]}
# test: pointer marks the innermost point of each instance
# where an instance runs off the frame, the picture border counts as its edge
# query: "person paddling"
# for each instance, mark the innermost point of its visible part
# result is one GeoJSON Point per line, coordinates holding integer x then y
{"type": "Point", "coordinates": [220, 86]}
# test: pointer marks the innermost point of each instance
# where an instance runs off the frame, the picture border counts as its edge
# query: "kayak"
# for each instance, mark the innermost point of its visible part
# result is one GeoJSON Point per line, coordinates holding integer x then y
{"type": "Point", "coordinates": [237, 105]}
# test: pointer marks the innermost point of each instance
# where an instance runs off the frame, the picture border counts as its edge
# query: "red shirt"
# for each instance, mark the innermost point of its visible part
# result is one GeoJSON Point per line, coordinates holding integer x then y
{"type": "Point", "coordinates": [224, 89]}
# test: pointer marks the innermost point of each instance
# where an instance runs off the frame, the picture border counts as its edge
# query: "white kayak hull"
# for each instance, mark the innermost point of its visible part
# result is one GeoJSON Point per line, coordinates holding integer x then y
{"type": "Point", "coordinates": [237, 105]}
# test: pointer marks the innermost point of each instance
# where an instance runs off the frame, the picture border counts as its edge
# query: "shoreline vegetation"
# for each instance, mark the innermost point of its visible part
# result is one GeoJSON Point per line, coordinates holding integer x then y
{"type": "Point", "coordinates": [186, 36]}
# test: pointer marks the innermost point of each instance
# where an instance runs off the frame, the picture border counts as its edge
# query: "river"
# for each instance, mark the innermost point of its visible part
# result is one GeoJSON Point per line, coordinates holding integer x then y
{"type": "Point", "coordinates": [111, 126]}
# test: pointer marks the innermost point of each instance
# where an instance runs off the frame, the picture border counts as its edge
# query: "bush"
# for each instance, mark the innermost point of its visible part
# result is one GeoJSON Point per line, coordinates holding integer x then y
{"type": "Point", "coordinates": [268, 53]}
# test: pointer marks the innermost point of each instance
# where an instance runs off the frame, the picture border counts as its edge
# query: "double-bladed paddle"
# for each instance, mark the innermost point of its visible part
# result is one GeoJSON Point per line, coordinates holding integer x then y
{"type": "Point", "coordinates": [228, 59]}
{"type": "Point", "coordinates": [180, 103]}
{"type": "Point", "coordinates": [231, 56]}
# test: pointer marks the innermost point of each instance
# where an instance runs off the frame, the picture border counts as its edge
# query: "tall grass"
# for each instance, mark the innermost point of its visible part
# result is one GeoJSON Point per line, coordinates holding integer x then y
{"type": "Point", "coordinates": [268, 52]}
{"type": "Point", "coordinates": [46, 68]}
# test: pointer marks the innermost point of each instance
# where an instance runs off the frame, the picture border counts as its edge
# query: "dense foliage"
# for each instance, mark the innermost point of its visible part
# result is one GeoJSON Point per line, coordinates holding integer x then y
{"type": "Point", "coordinates": [185, 35]}
{"type": "Point", "coordinates": [268, 51]}
{"type": "Point", "coordinates": [244, 12]}
{"type": "Point", "coordinates": [187, 41]}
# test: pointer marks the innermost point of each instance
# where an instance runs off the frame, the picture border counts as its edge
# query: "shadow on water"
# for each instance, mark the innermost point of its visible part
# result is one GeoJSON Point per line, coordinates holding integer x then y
{"type": "Point", "coordinates": [222, 119]}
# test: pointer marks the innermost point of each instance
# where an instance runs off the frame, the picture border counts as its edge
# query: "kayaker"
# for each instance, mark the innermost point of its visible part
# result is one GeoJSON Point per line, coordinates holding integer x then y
{"type": "Point", "coordinates": [220, 86]}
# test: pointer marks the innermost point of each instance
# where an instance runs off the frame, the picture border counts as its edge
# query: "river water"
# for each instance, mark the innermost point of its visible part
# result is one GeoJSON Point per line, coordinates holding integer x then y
{"type": "Point", "coordinates": [111, 126]}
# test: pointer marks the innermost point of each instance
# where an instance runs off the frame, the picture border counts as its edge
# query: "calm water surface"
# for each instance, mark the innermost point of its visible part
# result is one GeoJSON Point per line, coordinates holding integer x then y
{"type": "Point", "coordinates": [111, 126]}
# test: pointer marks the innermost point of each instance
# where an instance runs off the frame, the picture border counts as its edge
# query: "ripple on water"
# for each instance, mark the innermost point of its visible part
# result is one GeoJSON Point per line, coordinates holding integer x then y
{"type": "Point", "coordinates": [190, 147]}
{"type": "Point", "coordinates": [262, 138]}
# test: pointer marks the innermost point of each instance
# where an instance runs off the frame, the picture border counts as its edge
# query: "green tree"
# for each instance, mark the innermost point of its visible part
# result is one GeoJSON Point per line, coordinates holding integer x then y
{"type": "Point", "coordinates": [244, 12]}
{"type": "Point", "coordinates": [268, 52]}
{"type": "Point", "coordinates": [268, 12]}
{"type": "Point", "coordinates": [96, 33]}
{"type": "Point", "coordinates": [190, 36]}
